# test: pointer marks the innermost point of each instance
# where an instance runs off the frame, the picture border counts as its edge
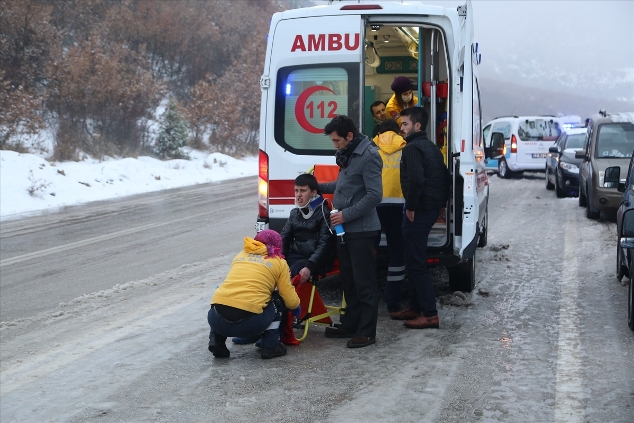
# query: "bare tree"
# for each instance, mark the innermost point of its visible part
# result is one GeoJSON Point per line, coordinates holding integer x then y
{"type": "Point", "coordinates": [26, 40]}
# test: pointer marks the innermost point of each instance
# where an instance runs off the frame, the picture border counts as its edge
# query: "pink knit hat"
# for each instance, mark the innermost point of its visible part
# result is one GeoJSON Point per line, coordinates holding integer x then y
{"type": "Point", "coordinates": [273, 242]}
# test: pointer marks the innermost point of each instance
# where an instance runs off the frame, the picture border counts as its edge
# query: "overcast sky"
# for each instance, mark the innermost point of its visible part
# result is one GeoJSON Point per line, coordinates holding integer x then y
{"type": "Point", "coordinates": [580, 47]}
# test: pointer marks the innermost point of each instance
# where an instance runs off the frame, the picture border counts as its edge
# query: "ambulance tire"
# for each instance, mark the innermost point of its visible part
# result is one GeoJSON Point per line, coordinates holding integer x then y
{"type": "Point", "coordinates": [462, 276]}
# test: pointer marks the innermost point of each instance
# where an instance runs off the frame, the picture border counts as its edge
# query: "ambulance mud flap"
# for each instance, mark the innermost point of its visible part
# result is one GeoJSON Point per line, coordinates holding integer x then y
{"type": "Point", "coordinates": [462, 275]}
{"type": "Point", "coordinates": [458, 200]}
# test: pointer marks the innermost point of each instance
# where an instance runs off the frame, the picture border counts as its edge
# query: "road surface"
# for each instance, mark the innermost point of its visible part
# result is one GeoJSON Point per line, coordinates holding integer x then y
{"type": "Point", "coordinates": [544, 339]}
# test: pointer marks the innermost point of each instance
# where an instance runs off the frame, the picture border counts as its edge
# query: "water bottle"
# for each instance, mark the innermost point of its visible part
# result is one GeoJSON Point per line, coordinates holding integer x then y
{"type": "Point", "coordinates": [338, 228]}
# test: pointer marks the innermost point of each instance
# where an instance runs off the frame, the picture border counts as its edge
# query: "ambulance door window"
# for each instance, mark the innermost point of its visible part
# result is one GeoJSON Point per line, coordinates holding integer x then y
{"type": "Point", "coordinates": [477, 120]}
{"type": "Point", "coordinates": [307, 98]}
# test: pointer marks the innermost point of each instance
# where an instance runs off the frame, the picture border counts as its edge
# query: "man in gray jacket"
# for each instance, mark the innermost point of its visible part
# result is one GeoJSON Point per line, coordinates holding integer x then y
{"type": "Point", "coordinates": [357, 191]}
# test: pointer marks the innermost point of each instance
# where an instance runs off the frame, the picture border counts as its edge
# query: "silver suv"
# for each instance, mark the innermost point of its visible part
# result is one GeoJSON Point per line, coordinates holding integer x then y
{"type": "Point", "coordinates": [609, 142]}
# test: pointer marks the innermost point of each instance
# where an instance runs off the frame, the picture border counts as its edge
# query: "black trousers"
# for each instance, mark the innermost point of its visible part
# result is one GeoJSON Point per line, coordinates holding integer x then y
{"type": "Point", "coordinates": [415, 234]}
{"type": "Point", "coordinates": [357, 265]}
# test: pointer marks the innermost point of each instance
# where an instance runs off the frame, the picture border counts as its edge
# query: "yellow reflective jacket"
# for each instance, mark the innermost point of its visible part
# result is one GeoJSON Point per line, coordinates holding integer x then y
{"type": "Point", "coordinates": [393, 109]}
{"type": "Point", "coordinates": [253, 278]}
{"type": "Point", "coordinates": [390, 145]}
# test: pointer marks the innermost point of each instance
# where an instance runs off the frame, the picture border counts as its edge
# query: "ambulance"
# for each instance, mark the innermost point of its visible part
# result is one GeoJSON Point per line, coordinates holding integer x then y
{"type": "Point", "coordinates": [339, 58]}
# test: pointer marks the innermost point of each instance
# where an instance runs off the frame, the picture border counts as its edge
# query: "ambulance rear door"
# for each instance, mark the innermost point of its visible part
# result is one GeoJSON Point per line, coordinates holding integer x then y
{"type": "Point", "coordinates": [314, 74]}
{"type": "Point", "coordinates": [470, 153]}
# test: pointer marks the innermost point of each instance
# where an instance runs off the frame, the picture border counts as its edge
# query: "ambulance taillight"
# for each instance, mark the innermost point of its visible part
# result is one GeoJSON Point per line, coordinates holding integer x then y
{"type": "Point", "coordinates": [263, 185]}
{"type": "Point", "coordinates": [513, 144]}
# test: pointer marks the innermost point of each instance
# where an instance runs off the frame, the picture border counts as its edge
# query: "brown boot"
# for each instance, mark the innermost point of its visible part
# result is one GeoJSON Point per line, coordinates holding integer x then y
{"type": "Point", "coordinates": [422, 322]}
{"type": "Point", "coordinates": [406, 314]}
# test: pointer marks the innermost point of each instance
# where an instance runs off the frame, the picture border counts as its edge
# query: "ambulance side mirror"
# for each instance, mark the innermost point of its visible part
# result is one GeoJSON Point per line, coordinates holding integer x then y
{"type": "Point", "coordinates": [496, 150]}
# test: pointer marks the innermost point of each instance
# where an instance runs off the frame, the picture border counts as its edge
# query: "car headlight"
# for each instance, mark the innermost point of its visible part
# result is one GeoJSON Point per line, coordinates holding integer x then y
{"type": "Point", "coordinates": [569, 167]}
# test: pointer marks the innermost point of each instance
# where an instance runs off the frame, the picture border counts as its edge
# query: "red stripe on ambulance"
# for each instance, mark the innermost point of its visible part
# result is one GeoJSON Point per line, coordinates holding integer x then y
{"type": "Point", "coordinates": [326, 42]}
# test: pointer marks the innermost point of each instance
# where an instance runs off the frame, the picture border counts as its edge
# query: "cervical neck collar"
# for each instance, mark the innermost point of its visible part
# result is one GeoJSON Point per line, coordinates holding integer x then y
{"type": "Point", "coordinates": [308, 209]}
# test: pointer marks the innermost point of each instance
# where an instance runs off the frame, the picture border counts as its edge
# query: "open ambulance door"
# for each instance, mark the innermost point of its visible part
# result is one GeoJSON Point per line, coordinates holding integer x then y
{"type": "Point", "coordinates": [466, 221]}
{"type": "Point", "coordinates": [313, 73]}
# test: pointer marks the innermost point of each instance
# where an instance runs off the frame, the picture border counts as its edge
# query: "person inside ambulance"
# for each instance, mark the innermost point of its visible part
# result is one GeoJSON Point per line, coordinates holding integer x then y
{"type": "Point", "coordinates": [402, 98]}
{"type": "Point", "coordinates": [390, 210]}
{"type": "Point", "coordinates": [308, 243]}
{"type": "Point", "coordinates": [357, 191]}
{"type": "Point", "coordinates": [253, 297]}
{"type": "Point", "coordinates": [379, 114]}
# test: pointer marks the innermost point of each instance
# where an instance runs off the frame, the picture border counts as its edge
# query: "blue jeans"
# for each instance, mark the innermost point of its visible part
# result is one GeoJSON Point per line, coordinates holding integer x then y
{"type": "Point", "coordinates": [391, 217]}
{"type": "Point", "coordinates": [415, 234]}
{"type": "Point", "coordinates": [266, 323]}
{"type": "Point", "coordinates": [296, 263]}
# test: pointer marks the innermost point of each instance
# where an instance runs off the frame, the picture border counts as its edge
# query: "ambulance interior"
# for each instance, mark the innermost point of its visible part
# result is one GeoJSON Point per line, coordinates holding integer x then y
{"type": "Point", "coordinates": [393, 50]}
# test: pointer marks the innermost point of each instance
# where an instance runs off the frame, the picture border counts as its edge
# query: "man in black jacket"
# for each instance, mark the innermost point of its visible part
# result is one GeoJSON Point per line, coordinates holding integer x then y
{"type": "Point", "coordinates": [307, 240]}
{"type": "Point", "coordinates": [425, 183]}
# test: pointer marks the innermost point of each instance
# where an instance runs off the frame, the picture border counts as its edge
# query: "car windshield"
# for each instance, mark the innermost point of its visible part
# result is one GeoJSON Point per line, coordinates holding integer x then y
{"type": "Point", "coordinates": [575, 141]}
{"type": "Point", "coordinates": [615, 140]}
{"type": "Point", "coordinates": [538, 129]}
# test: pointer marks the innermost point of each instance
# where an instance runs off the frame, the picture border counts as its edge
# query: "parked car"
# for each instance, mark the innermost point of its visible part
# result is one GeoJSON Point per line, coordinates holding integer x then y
{"type": "Point", "coordinates": [562, 167]}
{"type": "Point", "coordinates": [609, 142]}
{"type": "Point", "coordinates": [527, 140]}
{"type": "Point", "coordinates": [625, 231]}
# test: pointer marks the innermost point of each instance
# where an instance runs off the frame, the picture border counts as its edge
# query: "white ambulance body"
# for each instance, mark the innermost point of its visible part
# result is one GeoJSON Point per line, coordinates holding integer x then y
{"type": "Point", "coordinates": [338, 59]}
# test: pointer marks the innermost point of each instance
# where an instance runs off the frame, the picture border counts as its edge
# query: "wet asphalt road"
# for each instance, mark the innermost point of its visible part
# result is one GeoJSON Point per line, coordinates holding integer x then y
{"type": "Point", "coordinates": [58, 256]}
{"type": "Point", "coordinates": [545, 338]}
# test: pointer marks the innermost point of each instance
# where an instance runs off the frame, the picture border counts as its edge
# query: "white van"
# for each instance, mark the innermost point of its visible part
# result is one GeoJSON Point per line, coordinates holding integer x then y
{"type": "Point", "coordinates": [338, 59]}
{"type": "Point", "coordinates": [527, 141]}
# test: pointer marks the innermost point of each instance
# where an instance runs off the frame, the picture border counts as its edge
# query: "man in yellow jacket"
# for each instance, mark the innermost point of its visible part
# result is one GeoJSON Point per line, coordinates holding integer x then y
{"type": "Point", "coordinates": [390, 210]}
{"type": "Point", "coordinates": [247, 303]}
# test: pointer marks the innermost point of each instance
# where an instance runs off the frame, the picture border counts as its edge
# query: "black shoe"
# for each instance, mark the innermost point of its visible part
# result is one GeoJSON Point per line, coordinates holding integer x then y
{"type": "Point", "coordinates": [337, 333]}
{"type": "Point", "coordinates": [219, 351]}
{"type": "Point", "coordinates": [360, 342]}
{"type": "Point", "coordinates": [278, 351]}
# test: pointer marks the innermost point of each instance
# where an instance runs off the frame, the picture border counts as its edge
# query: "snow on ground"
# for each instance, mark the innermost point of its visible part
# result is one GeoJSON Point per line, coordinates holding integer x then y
{"type": "Point", "coordinates": [29, 183]}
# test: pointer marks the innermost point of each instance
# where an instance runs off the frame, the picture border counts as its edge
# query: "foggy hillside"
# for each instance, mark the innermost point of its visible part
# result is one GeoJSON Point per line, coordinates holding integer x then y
{"type": "Point", "coordinates": [505, 98]}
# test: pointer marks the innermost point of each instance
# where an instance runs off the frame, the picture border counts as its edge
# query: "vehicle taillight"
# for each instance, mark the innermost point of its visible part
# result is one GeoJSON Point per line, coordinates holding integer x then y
{"type": "Point", "coordinates": [263, 185]}
{"type": "Point", "coordinates": [513, 144]}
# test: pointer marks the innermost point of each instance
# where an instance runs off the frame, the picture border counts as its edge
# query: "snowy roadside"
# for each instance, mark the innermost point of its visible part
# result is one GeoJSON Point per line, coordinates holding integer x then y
{"type": "Point", "coordinates": [29, 183]}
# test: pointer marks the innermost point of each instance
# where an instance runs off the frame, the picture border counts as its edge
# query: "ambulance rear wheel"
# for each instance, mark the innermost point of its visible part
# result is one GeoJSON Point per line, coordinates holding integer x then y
{"type": "Point", "coordinates": [462, 276]}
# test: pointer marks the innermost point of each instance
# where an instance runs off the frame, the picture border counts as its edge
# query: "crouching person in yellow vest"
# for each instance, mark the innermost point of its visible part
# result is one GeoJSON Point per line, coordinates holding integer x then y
{"type": "Point", "coordinates": [247, 303]}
